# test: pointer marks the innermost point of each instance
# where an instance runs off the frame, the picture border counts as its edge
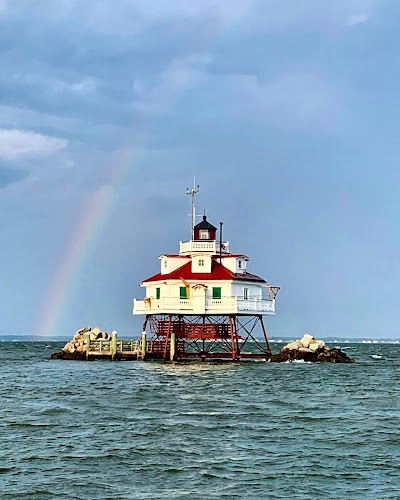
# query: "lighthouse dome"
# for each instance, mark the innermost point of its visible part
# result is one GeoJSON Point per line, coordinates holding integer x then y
{"type": "Point", "coordinates": [204, 230]}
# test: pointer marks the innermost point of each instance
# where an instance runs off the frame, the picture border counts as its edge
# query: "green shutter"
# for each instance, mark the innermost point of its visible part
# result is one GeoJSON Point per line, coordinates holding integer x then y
{"type": "Point", "coordinates": [158, 293]}
{"type": "Point", "coordinates": [217, 292]}
{"type": "Point", "coordinates": [182, 292]}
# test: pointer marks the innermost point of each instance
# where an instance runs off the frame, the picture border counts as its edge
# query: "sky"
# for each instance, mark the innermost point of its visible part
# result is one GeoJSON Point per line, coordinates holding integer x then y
{"type": "Point", "coordinates": [285, 111]}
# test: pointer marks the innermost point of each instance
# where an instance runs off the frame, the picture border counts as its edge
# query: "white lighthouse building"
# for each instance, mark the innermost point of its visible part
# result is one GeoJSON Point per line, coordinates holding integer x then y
{"type": "Point", "coordinates": [204, 293]}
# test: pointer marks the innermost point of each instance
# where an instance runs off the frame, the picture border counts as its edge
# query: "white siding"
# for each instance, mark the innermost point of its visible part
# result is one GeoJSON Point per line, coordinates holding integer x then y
{"type": "Point", "coordinates": [240, 265]}
{"type": "Point", "coordinates": [232, 263]}
{"type": "Point", "coordinates": [166, 290]}
{"type": "Point", "coordinates": [201, 264]}
{"type": "Point", "coordinates": [226, 288]}
{"type": "Point", "coordinates": [172, 289]}
{"type": "Point", "coordinates": [169, 264]}
{"type": "Point", "coordinates": [229, 263]}
{"type": "Point", "coordinates": [201, 301]}
{"type": "Point", "coordinates": [254, 290]}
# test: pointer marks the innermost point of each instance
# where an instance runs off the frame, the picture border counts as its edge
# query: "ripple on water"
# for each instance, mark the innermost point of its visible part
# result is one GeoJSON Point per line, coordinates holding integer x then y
{"type": "Point", "coordinates": [199, 430]}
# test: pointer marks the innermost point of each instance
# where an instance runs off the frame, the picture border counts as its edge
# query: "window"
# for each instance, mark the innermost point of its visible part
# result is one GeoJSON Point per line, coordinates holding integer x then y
{"type": "Point", "coordinates": [204, 234]}
{"type": "Point", "coordinates": [216, 292]}
{"type": "Point", "coordinates": [182, 292]}
{"type": "Point", "coordinates": [245, 293]}
{"type": "Point", "coordinates": [158, 293]}
{"type": "Point", "coordinates": [165, 263]}
{"type": "Point", "coordinates": [240, 264]}
{"type": "Point", "coordinates": [201, 262]}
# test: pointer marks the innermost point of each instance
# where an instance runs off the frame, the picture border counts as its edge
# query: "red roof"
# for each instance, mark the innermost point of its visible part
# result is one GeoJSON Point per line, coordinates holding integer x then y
{"type": "Point", "coordinates": [218, 272]}
{"type": "Point", "coordinates": [175, 255]}
{"type": "Point", "coordinates": [234, 255]}
{"type": "Point", "coordinates": [223, 255]}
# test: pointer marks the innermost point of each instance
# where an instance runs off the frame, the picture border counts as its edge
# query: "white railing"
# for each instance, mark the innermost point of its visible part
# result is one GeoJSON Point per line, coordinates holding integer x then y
{"type": "Point", "coordinates": [202, 246]}
{"type": "Point", "coordinates": [161, 305]}
{"type": "Point", "coordinates": [171, 303]}
{"type": "Point", "coordinates": [225, 305]}
{"type": "Point", "coordinates": [257, 305]}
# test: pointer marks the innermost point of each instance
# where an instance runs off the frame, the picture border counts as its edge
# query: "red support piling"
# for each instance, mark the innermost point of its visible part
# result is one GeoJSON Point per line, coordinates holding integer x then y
{"type": "Point", "coordinates": [232, 337]}
{"type": "Point", "coordinates": [265, 335]}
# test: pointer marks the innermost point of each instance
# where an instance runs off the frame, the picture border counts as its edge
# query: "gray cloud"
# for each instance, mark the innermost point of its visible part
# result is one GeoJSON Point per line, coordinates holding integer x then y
{"type": "Point", "coordinates": [16, 144]}
{"type": "Point", "coordinates": [89, 72]}
{"type": "Point", "coordinates": [284, 109]}
{"type": "Point", "coordinates": [10, 175]}
{"type": "Point", "coordinates": [164, 74]}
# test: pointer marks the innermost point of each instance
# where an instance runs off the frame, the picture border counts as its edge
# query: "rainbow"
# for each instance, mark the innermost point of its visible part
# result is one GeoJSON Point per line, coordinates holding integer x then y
{"type": "Point", "coordinates": [68, 267]}
{"type": "Point", "coordinates": [94, 213]}
{"type": "Point", "coordinates": [83, 236]}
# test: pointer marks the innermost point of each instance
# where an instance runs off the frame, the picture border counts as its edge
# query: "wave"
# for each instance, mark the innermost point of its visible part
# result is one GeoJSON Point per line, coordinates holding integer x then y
{"type": "Point", "coordinates": [6, 470]}
{"type": "Point", "coordinates": [299, 361]}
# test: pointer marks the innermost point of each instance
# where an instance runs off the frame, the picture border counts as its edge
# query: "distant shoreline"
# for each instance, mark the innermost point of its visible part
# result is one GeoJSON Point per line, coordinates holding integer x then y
{"type": "Point", "coordinates": [279, 340]}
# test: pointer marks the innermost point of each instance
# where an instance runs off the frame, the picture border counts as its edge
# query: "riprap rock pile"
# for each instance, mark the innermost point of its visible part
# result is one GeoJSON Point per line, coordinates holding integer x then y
{"type": "Point", "coordinates": [76, 348]}
{"type": "Point", "coordinates": [309, 349]}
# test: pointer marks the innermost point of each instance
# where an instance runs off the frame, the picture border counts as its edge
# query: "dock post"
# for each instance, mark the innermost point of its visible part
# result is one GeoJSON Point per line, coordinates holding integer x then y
{"type": "Point", "coordinates": [114, 339]}
{"type": "Point", "coordinates": [143, 353]}
{"type": "Point", "coordinates": [87, 345]}
{"type": "Point", "coordinates": [172, 347]}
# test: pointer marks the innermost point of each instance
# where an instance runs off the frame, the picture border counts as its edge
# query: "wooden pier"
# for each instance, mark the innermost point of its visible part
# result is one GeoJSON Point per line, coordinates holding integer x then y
{"type": "Point", "coordinates": [171, 348]}
{"type": "Point", "coordinates": [115, 349]}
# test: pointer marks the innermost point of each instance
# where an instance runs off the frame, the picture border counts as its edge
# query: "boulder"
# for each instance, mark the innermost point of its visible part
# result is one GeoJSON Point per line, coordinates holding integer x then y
{"type": "Point", "coordinates": [68, 355]}
{"type": "Point", "coordinates": [69, 347]}
{"type": "Point", "coordinates": [309, 349]}
{"type": "Point", "coordinates": [83, 330]}
{"type": "Point", "coordinates": [305, 349]}
{"type": "Point", "coordinates": [292, 346]}
{"type": "Point", "coordinates": [316, 345]}
{"type": "Point", "coordinates": [306, 340]}
{"type": "Point", "coordinates": [76, 348]}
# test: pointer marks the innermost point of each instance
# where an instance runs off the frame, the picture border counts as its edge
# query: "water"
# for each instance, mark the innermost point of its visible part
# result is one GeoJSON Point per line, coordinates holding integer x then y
{"type": "Point", "coordinates": [128, 430]}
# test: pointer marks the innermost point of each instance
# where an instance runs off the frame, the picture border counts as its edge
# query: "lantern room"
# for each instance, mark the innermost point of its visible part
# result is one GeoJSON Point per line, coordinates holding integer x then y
{"type": "Point", "coordinates": [204, 230]}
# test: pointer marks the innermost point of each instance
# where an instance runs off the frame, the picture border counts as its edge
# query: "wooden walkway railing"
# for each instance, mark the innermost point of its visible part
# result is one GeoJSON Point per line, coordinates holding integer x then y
{"type": "Point", "coordinates": [121, 349]}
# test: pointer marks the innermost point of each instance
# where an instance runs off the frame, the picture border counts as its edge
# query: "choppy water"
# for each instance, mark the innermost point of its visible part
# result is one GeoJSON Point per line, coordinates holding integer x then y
{"type": "Point", "coordinates": [128, 430]}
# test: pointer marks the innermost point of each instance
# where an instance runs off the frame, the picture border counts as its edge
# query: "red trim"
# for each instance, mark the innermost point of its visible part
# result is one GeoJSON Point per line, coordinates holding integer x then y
{"type": "Point", "coordinates": [218, 272]}
{"type": "Point", "coordinates": [211, 234]}
{"type": "Point", "coordinates": [234, 255]}
{"type": "Point", "coordinates": [223, 255]}
{"type": "Point", "coordinates": [175, 256]}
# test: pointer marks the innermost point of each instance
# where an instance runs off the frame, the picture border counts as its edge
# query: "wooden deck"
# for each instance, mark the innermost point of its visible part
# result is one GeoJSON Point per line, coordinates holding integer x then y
{"type": "Point", "coordinates": [174, 349]}
{"type": "Point", "coordinates": [121, 349]}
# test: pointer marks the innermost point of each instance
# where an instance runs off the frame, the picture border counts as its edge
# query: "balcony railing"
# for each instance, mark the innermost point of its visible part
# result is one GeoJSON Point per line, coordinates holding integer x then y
{"type": "Point", "coordinates": [259, 305]}
{"type": "Point", "coordinates": [203, 246]}
{"type": "Point", "coordinates": [198, 305]}
{"type": "Point", "coordinates": [225, 304]}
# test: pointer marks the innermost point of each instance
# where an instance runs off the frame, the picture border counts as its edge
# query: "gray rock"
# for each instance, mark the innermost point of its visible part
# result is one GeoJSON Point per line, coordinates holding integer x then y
{"type": "Point", "coordinates": [306, 340]}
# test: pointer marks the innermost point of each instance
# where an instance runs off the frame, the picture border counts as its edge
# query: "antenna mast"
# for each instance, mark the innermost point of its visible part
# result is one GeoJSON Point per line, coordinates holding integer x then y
{"type": "Point", "coordinates": [192, 192]}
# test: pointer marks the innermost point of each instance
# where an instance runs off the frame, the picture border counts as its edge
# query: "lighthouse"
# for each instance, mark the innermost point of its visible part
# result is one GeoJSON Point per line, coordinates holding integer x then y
{"type": "Point", "coordinates": [204, 303]}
